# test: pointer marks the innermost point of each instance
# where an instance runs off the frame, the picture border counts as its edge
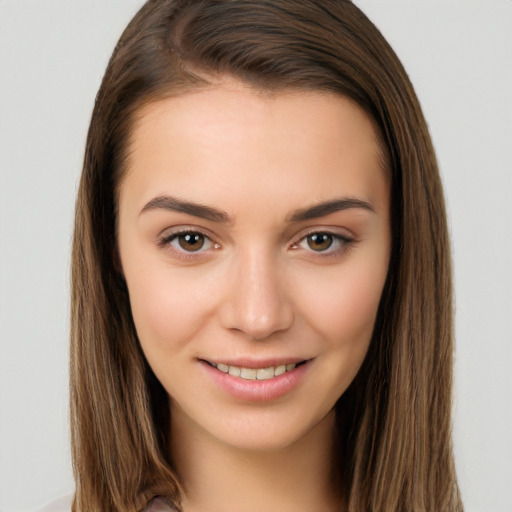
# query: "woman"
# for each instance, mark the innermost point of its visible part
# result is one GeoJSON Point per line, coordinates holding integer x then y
{"type": "Point", "coordinates": [261, 300]}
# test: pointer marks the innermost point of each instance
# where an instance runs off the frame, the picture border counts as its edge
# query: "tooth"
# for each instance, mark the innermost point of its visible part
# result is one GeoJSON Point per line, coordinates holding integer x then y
{"type": "Point", "coordinates": [234, 370]}
{"type": "Point", "coordinates": [248, 373]}
{"type": "Point", "coordinates": [255, 373]}
{"type": "Point", "coordinates": [280, 370]}
{"type": "Point", "coordinates": [265, 373]}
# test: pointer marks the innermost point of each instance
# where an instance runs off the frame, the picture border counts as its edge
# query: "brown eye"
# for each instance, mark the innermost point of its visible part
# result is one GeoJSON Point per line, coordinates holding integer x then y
{"type": "Point", "coordinates": [187, 244]}
{"type": "Point", "coordinates": [319, 241]}
{"type": "Point", "coordinates": [191, 242]}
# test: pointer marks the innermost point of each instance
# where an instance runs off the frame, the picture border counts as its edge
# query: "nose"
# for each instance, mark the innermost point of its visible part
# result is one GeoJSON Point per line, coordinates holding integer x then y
{"type": "Point", "coordinates": [256, 299]}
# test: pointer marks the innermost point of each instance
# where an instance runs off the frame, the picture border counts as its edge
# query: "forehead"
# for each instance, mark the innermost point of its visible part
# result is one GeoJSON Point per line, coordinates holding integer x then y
{"type": "Point", "coordinates": [233, 138]}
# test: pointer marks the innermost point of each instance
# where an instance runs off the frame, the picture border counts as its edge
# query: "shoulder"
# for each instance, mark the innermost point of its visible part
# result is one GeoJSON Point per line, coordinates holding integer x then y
{"type": "Point", "coordinates": [160, 504]}
{"type": "Point", "coordinates": [62, 504]}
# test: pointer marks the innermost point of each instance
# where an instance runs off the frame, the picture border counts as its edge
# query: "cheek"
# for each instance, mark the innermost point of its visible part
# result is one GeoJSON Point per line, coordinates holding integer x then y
{"type": "Point", "coordinates": [168, 307]}
{"type": "Point", "coordinates": [342, 305]}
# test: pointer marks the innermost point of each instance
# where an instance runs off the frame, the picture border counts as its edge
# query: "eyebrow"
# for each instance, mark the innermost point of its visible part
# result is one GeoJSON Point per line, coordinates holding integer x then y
{"type": "Point", "coordinates": [195, 209]}
{"type": "Point", "coordinates": [328, 207]}
{"type": "Point", "coordinates": [213, 214]}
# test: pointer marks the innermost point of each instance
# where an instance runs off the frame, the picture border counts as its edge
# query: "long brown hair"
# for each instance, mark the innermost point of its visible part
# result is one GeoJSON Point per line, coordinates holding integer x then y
{"type": "Point", "coordinates": [394, 424]}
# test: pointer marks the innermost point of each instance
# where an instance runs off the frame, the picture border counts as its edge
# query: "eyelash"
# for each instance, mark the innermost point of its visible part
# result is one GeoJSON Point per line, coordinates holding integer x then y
{"type": "Point", "coordinates": [342, 243]}
{"type": "Point", "coordinates": [166, 242]}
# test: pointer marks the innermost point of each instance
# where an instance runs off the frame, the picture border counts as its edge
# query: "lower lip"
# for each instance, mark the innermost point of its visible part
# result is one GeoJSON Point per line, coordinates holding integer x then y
{"type": "Point", "coordinates": [257, 390]}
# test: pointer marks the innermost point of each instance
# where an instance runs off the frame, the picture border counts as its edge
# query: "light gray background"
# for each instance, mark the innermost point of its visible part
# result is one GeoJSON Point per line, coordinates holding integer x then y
{"type": "Point", "coordinates": [52, 56]}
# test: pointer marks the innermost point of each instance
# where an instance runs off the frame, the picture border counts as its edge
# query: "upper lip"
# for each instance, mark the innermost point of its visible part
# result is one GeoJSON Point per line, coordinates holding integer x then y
{"type": "Point", "coordinates": [256, 363]}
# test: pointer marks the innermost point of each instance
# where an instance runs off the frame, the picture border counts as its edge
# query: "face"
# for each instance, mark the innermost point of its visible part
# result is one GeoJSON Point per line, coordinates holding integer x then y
{"type": "Point", "coordinates": [254, 238]}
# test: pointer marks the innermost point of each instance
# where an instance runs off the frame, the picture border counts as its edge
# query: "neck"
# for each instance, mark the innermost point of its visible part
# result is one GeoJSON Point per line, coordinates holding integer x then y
{"type": "Point", "coordinates": [221, 478]}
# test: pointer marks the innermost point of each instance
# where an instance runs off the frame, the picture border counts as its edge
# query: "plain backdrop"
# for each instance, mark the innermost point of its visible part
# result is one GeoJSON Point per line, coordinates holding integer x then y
{"type": "Point", "coordinates": [52, 56]}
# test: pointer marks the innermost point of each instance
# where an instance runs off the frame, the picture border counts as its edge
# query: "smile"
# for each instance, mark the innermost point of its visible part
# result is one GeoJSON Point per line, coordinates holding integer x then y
{"type": "Point", "coordinates": [257, 381]}
{"type": "Point", "coordinates": [255, 373]}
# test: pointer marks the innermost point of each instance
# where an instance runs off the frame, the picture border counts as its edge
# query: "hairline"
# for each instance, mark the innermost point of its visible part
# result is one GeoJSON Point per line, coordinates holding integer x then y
{"type": "Point", "coordinates": [209, 81]}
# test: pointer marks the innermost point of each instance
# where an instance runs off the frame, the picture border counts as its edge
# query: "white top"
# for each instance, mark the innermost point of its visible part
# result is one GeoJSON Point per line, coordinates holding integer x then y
{"type": "Point", "coordinates": [62, 504]}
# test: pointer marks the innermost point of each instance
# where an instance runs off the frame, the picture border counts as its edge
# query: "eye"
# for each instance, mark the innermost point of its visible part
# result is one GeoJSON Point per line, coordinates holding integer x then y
{"type": "Point", "coordinates": [324, 242]}
{"type": "Point", "coordinates": [319, 242]}
{"type": "Point", "coordinates": [188, 242]}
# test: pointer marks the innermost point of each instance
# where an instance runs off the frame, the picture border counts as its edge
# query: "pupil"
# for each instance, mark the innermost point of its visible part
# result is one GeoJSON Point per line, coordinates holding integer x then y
{"type": "Point", "coordinates": [320, 241]}
{"type": "Point", "coordinates": [191, 241]}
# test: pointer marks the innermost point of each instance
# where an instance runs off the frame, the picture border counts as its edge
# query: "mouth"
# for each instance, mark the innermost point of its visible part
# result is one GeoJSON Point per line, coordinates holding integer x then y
{"type": "Point", "coordinates": [266, 373]}
{"type": "Point", "coordinates": [253, 380]}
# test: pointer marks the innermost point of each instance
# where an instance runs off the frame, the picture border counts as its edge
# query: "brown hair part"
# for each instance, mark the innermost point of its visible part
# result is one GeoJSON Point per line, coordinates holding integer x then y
{"type": "Point", "coordinates": [394, 421]}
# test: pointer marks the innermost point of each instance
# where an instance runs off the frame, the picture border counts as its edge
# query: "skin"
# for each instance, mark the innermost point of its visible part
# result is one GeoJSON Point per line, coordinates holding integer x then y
{"type": "Point", "coordinates": [257, 288]}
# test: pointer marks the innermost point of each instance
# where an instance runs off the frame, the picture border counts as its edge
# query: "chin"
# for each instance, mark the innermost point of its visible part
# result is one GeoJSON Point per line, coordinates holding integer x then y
{"type": "Point", "coordinates": [269, 430]}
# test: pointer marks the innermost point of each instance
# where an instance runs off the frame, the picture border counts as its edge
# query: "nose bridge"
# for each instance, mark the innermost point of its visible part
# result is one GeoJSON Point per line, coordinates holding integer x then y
{"type": "Point", "coordinates": [257, 303]}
